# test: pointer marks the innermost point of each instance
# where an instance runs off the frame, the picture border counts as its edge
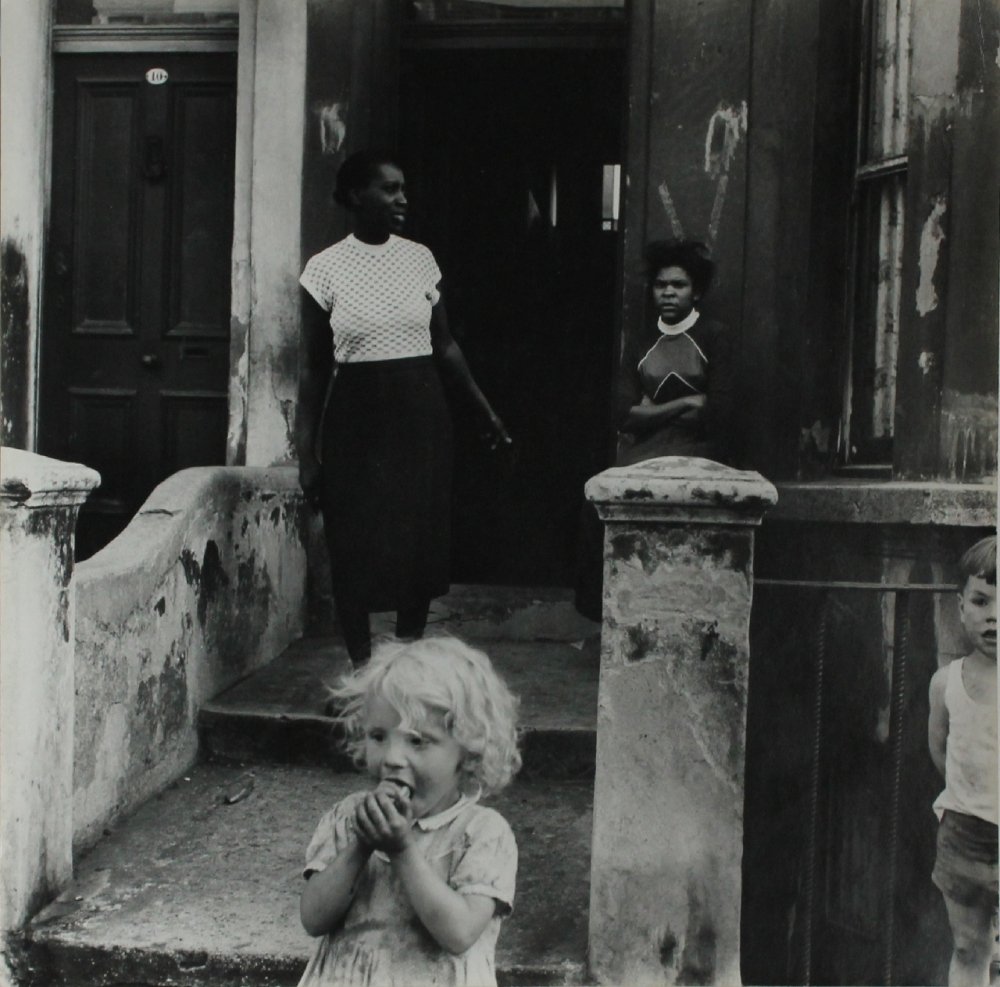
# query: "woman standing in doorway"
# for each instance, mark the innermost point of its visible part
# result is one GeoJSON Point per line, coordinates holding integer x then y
{"type": "Point", "coordinates": [377, 458]}
{"type": "Point", "coordinates": [675, 389]}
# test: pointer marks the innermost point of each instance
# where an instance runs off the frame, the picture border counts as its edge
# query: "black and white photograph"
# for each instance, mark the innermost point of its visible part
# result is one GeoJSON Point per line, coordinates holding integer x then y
{"type": "Point", "coordinates": [499, 492]}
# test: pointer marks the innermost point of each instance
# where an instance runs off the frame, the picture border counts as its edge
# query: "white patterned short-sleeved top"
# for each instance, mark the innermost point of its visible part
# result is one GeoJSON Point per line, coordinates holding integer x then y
{"type": "Point", "coordinates": [379, 297]}
{"type": "Point", "coordinates": [380, 941]}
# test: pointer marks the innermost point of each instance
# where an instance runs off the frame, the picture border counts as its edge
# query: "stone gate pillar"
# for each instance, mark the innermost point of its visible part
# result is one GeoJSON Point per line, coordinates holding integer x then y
{"type": "Point", "coordinates": [668, 801]}
{"type": "Point", "coordinates": [39, 502]}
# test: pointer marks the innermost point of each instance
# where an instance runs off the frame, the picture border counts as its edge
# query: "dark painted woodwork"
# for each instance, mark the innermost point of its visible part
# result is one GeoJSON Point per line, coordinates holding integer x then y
{"type": "Point", "coordinates": [968, 442]}
{"type": "Point", "coordinates": [351, 91]}
{"type": "Point", "coordinates": [839, 836]}
{"type": "Point", "coordinates": [800, 150]}
{"type": "Point", "coordinates": [689, 78]}
{"type": "Point", "coordinates": [134, 367]}
{"type": "Point", "coordinates": [946, 415]}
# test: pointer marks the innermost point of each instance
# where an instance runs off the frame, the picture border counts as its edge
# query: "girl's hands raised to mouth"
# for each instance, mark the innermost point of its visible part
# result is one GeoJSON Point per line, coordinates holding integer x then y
{"type": "Point", "coordinates": [384, 818]}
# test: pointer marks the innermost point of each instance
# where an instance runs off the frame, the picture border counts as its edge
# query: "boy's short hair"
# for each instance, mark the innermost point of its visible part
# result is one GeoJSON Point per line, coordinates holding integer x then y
{"type": "Point", "coordinates": [980, 560]}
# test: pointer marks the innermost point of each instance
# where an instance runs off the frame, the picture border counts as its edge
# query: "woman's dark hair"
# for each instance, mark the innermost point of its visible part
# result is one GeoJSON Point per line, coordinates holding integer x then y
{"type": "Point", "coordinates": [357, 171]}
{"type": "Point", "coordinates": [691, 255]}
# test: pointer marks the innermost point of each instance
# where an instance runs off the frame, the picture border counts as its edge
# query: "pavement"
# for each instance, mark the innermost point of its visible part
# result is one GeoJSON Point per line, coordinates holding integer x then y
{"type": "Point", "coordinates": [200, 886]}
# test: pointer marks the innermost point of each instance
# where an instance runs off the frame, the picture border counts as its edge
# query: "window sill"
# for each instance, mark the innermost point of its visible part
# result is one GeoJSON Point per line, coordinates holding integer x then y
{"type": "Point", "coordinates": [854, 501]}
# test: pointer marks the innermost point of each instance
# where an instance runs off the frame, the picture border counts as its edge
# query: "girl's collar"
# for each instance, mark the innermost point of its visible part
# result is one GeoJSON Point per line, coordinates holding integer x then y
{"type": "Point", "coordinates": [445, 816]}
{"type": "Point", "coordinates": [439, 820]}
{"type": "Point", "coordinates": [371, 248]}
{"type": "Point", "coordinates": [678, 327]}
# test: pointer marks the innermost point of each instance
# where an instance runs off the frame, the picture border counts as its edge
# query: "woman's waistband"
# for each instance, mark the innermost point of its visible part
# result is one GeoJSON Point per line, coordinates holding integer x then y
{"type": "Point", "coordinates": [400, 365]}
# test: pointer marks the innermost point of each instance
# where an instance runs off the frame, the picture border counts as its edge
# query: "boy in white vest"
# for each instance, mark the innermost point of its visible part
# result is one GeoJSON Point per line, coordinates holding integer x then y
{"type": "Point", "coordinates": [962, 734]}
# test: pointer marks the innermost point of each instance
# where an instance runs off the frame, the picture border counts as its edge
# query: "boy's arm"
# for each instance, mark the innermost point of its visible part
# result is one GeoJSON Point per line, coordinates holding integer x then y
{"type": "Point", "coordinates": [937, 723]}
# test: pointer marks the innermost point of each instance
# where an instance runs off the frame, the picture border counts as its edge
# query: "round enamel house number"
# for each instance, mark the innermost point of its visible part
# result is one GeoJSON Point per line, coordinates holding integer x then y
{"type": "Point", "coordinates": [156, 77]}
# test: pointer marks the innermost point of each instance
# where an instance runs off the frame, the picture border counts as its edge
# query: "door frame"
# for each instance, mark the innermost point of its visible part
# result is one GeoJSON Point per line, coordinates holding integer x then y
{"type": "Point", "coordinates": [169, 39]}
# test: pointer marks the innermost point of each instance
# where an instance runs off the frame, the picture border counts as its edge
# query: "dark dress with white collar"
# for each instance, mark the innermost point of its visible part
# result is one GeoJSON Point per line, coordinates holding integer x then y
{"type": "Point", "coordinates": [663, 365]}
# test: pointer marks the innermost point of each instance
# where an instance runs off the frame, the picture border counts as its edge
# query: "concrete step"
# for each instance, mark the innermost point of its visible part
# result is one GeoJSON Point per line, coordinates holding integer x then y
{"type": "Point", "coordinates": [201, 886]}
{"type": "Point", "coordinates": [277, 714]}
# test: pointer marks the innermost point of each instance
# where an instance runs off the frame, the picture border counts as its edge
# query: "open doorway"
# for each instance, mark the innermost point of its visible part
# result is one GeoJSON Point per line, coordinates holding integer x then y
{"type": "Point", "coordinates": [513, 162]}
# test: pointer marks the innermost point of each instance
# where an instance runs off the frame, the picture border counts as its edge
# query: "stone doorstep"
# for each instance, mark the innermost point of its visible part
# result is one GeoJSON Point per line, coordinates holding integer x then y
{"type": "Point", "coordinates": [200, 886]}
{"type": "Point", "coordinates": [276, 714]}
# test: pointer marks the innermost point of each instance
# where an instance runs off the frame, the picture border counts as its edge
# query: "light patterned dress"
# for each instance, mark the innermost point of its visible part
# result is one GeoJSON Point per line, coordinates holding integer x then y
{"type": "Point", "coordinates": [381, 942]}
{"type": "Point", "coordinates": [379, 297]}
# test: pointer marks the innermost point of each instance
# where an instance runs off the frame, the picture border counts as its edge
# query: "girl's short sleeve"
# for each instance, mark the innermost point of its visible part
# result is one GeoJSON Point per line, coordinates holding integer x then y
{"type": "Point", "coordinates": [334, 832]}
{"type": "Point", "coordinates": [317, 279]}
{"type": "Point", "coordinates": [487, 863]}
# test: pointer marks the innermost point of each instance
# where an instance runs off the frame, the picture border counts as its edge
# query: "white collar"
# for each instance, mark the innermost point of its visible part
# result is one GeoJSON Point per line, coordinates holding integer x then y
{"type": "Point", "coordinates": [370, 248]}
{"type": "Point", "coordinates": [678, 327]}
{"type": "Point", "coordinates": [445, 816]}
{"type": "Point", "coordinates": [440, 819]}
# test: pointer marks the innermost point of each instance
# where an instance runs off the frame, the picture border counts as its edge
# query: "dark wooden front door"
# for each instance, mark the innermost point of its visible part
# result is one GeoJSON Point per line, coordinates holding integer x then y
{"type": "Point", "coordinates": [135, 343]}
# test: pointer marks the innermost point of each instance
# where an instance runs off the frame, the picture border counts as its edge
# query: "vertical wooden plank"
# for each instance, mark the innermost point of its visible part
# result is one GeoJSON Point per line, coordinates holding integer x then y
{"type": "Point", "coordinates": [689, 76]}
{"type": "Point", "coordinates": [635, 182]}
{"type": "Point", "coordinates": [927, 240]}
{"type": "Point", "coordinates": [968, 434]}
{"type": "Point", "coordinates": [778, 229]}
{"type": "Point", "coordinates": [332, 113]}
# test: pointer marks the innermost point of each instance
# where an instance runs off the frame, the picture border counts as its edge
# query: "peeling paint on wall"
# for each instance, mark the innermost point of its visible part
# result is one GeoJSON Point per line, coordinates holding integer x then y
{"type": "Point", "coordinates": [931, 236]}
{"type": "Point", "coordinates": [676, 228]}
{"type": "Point", "coordinates": [725, 127]}
{"type": "Point", "coordinates": [969, 435]}
{"type": "Point", "coordinates": [15, 313]}
{"type": "Point", "coordinates": [332, 125]}
{"type": "Point", "coordinates": [239, 357]}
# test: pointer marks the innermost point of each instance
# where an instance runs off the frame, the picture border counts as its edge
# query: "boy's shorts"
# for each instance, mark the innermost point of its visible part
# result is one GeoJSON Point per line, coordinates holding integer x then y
{"type": "Point", "coordinates": [966, 866]}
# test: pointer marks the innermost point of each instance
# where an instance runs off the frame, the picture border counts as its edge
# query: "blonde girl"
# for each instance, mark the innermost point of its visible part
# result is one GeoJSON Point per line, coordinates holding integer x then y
{"type": "Point", "coordinates": [407, 883]}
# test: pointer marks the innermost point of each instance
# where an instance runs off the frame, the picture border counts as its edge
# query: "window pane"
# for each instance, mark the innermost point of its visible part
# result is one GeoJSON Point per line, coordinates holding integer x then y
{"type": "Point", "coordinates": [504, 10]}
{"type": "Point", "coordinates": [888, 74]}
{"type": "Point", "coordinates": [147, 11]}
{"type": "Point", "coordinates": [876, 318]}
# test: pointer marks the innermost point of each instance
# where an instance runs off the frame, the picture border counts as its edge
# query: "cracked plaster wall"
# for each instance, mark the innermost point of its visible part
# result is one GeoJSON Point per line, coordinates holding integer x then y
{"type": "Point", "coordinates": [206, 584]}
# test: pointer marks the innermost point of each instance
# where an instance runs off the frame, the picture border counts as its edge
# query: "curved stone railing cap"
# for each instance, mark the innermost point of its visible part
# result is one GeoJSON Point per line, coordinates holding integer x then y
{"type": "Point", "coordinates": [32, 480]}
{"type": "Point", "coordinates": [671, 483]}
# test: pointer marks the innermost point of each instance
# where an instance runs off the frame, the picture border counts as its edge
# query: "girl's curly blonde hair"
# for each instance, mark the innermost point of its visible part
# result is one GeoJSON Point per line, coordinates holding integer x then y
{"type": "Point", "coordinates": [440, 676]}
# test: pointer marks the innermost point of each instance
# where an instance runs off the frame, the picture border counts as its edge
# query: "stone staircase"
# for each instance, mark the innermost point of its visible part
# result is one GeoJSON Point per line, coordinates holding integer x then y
{"type": "Point", "coordinates": [201, 885]}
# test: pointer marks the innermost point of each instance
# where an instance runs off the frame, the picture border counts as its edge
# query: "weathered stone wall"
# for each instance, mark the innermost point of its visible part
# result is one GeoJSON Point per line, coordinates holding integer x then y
{"type": "Point", "coordinates": [39, 500]}
{"type": "Point", "coordinates": [206, 584]}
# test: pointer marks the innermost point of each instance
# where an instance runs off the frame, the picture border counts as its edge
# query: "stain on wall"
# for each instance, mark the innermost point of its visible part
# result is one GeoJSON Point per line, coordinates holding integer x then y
{"type": "Point", "coordinates": [15, 345]}
{"type": "Point", "coordinates": [206, 584]}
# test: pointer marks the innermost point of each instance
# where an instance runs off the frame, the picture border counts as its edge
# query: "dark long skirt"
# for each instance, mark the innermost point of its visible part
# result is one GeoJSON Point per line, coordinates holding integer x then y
{"type": "Point", "coordinates": [387, 483]}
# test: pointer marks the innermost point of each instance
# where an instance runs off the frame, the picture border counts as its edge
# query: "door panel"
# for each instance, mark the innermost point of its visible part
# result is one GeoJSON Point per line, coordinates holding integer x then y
{"type": "Point", "coordinates": [135, 344]}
